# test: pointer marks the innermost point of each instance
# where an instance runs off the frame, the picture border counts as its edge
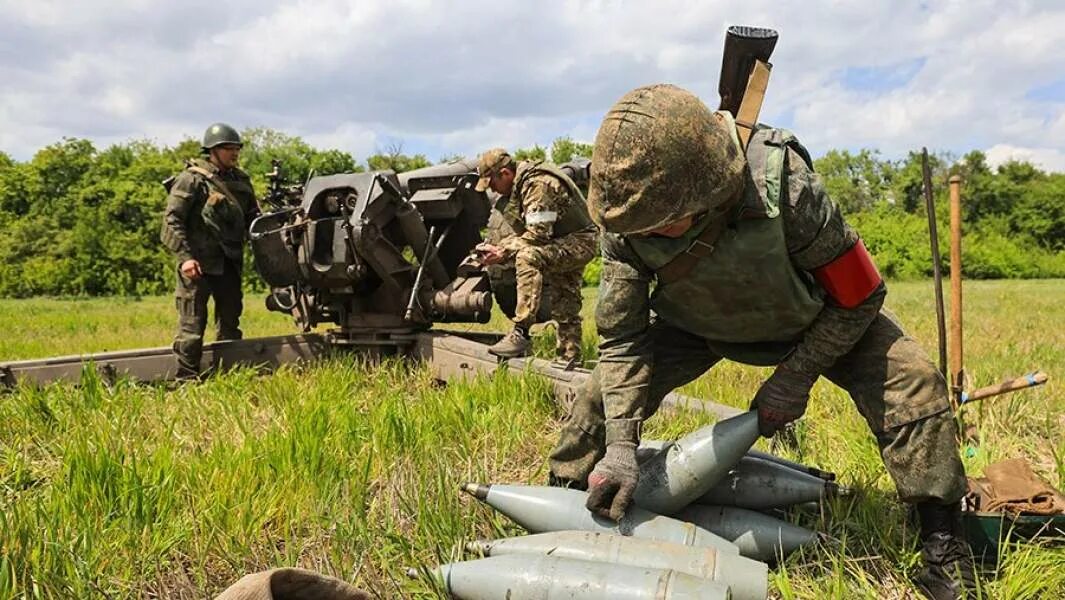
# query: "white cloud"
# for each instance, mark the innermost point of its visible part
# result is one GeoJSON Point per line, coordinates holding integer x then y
{"type": "Point", "coordinates": [448, 78]}
{"type": "Point", "coordinates": [1049, 159]}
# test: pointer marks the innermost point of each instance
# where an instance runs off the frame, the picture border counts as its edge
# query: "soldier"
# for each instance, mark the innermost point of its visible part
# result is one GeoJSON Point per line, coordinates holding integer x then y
{"type": "Point", "coordinates": [750, 261]}
{"type": "Point", "coordinates": [205, 224]}
{"type": "Point", "coordinates": [552, 242]}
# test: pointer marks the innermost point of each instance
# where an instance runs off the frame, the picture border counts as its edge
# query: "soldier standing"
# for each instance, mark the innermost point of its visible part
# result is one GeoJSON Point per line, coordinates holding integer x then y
{"type": "Point", "coordinates": [205, 224]}
{"type": "Point", "coordinates": [750, 261]}
{"type": "Point", "coordinates": [553, 241]}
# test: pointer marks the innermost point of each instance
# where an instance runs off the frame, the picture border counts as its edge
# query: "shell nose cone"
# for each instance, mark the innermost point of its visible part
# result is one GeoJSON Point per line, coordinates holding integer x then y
{"type": "Point", "coordinates": [477, 490]}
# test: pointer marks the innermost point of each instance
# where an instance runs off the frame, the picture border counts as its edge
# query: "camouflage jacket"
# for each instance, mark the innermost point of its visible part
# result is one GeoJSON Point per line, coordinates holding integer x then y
{"type": "Point", "coordinates": [201, 222]}
{"type": "Point", "coordinates": [753, 299]}
{"type": "Point", "coordinates": [544, 205]}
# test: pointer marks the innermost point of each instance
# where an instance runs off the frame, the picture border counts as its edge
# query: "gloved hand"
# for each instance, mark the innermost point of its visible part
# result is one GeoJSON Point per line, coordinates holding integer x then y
{"type": "Point", "coordinates": [613, 480]}
{"type": "Point", "coordinates": [781, 399]}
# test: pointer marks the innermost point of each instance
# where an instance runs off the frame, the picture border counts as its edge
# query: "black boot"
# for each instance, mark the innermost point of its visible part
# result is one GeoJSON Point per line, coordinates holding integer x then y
{"type": "Point", "coordinates": [949, 572]}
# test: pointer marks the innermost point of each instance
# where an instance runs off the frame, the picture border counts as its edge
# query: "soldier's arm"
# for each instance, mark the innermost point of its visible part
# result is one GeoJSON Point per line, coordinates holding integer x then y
{"type": "Point", "coordinates": [179, 203]}
{"type": "Point", "coordinates": [622, 316]}
{"type": "Point", "coordinates": [544, 203]}
{"type": "Point", "coordinates": [821, 243]}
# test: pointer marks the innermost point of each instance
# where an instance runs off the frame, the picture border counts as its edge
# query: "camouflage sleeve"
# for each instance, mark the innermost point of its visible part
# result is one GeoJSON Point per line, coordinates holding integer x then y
{"type": "Point", "coordinates": [816, 234]}
{"type": "Point", "coordinates": [544, 201]}
{"type": "Point", "coordinates": [622, 316]}
{"type": "Point", "coordinates": [174, 233]}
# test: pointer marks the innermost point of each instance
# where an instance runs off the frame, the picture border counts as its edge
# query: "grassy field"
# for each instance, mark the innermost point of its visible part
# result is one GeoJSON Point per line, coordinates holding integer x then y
{"type": "Point", "coordinates": [352, 469]}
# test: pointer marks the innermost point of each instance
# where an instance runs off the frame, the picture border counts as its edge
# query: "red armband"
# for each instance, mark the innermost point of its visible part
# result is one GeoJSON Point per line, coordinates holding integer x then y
{"type": "Point", "coordinates": [851, 278]}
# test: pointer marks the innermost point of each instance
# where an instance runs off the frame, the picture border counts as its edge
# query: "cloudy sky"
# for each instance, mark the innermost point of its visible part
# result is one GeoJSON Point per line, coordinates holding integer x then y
{"type": "Point", "coordinates": [444, 78]}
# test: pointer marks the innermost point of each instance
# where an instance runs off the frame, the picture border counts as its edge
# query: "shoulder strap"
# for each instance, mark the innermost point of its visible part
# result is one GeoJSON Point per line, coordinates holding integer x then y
{"type": "Point", "coordinates": [701, 247]}
{"type": "Point", "coordinates": [215, 181]}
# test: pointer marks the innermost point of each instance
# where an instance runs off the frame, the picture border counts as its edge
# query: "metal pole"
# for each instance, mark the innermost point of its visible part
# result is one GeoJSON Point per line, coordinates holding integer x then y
{"type": "Point", "coordinates": [957, 369]}
{"type": "Point", "coordinates": [937, 266]}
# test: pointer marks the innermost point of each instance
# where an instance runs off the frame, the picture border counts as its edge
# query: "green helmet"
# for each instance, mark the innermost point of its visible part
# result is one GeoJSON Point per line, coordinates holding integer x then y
{"type": "Point", "coordinates": [662, 155]}
{"type": "Point", "coordinates": [218, 134]}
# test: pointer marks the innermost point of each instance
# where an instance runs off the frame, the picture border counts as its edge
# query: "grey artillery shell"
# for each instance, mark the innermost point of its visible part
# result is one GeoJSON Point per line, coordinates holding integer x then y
{"type": "Point", "coordinates": [649, 448]}
{"type": "Point", "coordinates": [826, 475]}
{"type": "Point", "coordinates": [747, 578]}
{"type": "Point", "coordinates": [549, 578]}
{"type": "Point", "coordinates": [541, 508]}
{"type": "Point", "coordinates": [758, 536]}
{"type": "Point", "coordinates": [760, 484]}
{"type": "Point", "coordinates": [688, 468]}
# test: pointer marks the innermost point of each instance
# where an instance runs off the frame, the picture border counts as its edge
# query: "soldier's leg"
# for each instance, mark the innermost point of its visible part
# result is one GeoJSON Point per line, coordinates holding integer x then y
{"type": "Point", "coordinates": [680, 358]}
{"type": "Point", "coordinates": [904, 400]}
{"type": "Point", "coordinates": [529, 265]}
{"type": "Point", "coordinates": [228, 301]}
{"type": "Point", "coordinates": [563, 292]}
{"type": "Point", "coordinates": [191, 302]}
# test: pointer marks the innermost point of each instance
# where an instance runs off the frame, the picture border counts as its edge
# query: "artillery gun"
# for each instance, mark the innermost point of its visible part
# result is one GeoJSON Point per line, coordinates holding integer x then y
{"type": "Point", "coordinates": [380, 257]}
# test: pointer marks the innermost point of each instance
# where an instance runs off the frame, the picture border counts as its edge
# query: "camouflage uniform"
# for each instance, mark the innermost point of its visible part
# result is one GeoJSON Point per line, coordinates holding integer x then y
{"type": "Point", "coordinates": [553, 240]}
{"type": "Point", "coordinates": [503, 280]}
{"type": "Point", "coordinates": [753, 300]}
{"type": "Point", "coordinates": [201, 223]}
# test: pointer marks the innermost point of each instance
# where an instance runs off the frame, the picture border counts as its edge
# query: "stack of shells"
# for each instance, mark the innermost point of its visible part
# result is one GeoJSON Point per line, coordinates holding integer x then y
{"type": "Point", "coordinates": [697, 529]}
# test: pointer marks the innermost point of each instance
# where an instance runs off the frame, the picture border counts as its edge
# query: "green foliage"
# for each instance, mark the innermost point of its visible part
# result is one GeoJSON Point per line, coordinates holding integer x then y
{"type": "Point", "coordinates": [393, 159]}
{"type": "Point", "coordinates": [564, 149]}
{"type": "Point", "coordinates": [537, 152]}
{"type": "Point", "coordinates": [75, 220]}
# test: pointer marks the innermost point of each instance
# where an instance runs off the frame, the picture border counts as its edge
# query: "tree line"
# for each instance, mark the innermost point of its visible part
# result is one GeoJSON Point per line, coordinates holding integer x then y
{"type": "Point", "coordinates": [77, 220]}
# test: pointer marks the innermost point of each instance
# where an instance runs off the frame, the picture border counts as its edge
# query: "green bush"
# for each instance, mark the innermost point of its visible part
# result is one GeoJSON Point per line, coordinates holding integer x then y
{"type": "Point", "coordinates": [75, 220]}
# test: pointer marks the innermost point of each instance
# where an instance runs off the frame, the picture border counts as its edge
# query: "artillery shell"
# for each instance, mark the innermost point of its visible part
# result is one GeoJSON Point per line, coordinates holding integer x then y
{"type": "Point", "coordinates": [747, 578]}
{"type": "Point", "coordinates": [540, 509]}
{"type": "Point", "coordinates": [760, 484]}
{"type": "Point", "coordinates": [689, 467]}
{"type": "Point", "coordinates": [547, 577]}
{"type": "Point", "coordinates": [758, 536]}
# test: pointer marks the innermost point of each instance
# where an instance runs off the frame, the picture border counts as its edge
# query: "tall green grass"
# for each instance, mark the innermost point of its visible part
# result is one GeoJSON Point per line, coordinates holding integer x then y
{"type": "Point", "coordinates": [352, 468]}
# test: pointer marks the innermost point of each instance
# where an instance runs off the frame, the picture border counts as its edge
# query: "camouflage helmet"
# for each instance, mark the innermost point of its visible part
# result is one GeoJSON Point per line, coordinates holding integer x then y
{"type": "Point", "coordinates": [661, 155]}
{"type": "Point", "coordinates": [218, 134]}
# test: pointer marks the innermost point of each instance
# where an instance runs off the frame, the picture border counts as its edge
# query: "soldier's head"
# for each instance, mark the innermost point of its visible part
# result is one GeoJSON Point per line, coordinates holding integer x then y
{"type": "Point", "coordinates": [221, 143]}
{"type": "Point", "coordinates": [661, 158]}
{"type": "Point", "coordinates": [496, 169]}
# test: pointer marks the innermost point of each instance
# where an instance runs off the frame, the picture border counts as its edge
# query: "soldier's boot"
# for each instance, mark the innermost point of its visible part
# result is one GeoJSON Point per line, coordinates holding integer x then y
{"type": "Point", "coordinates": [514, 344]}
{"type": "Point", "coordinates": [568, 349]}
{"type": "Point", "coordinates": [949, 572]}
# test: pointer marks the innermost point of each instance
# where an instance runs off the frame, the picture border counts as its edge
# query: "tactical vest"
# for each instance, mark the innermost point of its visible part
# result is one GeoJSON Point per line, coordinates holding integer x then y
{"type": "Point", "coordinates": [573, 220]}
{"type": "Point", "coordinates": [223, 210]}
{"type": "Point", "coordinates": [746, 290]}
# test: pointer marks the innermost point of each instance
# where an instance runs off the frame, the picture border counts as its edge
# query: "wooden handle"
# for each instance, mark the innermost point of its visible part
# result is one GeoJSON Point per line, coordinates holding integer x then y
{"type": "Point", "coordinates": [1020, 383]}
{"type": "Point", "coordinates": [957, 369]}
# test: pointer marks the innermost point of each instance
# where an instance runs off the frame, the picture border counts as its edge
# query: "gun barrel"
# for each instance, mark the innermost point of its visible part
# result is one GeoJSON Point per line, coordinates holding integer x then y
{"type": "Point", "coordinates": [743, 46]}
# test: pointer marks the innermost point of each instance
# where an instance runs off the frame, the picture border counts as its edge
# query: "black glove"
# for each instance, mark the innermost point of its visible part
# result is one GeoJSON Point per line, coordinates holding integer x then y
{"type": "Point", "coordinates": [613, 480]}
{"type": "Point", "coordinates": [781, 399]}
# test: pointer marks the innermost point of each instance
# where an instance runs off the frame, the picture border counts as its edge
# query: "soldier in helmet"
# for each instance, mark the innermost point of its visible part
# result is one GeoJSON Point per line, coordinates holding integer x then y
{"type": "Point", "coordinates": [552, 242]}
{"type": "Point", "coordinates": [205, 224]}
{"type": "Point", "coordinates": [713, 251]}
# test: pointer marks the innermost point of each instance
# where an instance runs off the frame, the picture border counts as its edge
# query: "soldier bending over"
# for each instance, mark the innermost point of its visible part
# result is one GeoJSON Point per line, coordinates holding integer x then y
{"type": "Point", "coordinates": [714, 252]}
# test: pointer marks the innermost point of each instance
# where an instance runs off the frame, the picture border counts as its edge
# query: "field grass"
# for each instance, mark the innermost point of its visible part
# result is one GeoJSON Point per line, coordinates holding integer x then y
{"type": "Point", "coordinates": [352, 469]}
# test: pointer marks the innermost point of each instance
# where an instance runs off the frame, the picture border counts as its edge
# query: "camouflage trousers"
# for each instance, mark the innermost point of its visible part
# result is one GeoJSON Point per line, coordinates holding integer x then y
{"type": "Point", "coordinates": [894, 385]}
{"type": "Point", "coordinates": [559, 265]}
{"type": "Point", "coordinates": [191, 300]}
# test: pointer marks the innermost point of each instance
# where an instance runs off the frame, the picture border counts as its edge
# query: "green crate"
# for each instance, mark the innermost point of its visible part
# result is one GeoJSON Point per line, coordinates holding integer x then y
{"type": "Point", "coordinates": [986, 530]}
